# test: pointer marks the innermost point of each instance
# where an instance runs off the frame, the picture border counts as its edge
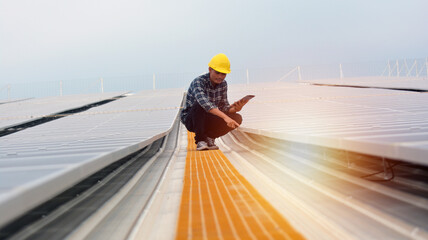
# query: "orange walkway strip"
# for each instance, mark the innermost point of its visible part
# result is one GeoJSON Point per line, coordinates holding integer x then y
{"type": "Point", "coordinates": [219, 203]}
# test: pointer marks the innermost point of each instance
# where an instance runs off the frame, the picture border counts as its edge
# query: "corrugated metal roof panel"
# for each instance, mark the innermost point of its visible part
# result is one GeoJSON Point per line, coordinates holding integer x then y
{"type": "Point", "coordinates": [373, 121]}
{"type": "Point", "coordinates": [19, 112]}
{"type": "Point", "coordinates": [40, 162]}
{"type": "Point", "coordinates": [411, 83]}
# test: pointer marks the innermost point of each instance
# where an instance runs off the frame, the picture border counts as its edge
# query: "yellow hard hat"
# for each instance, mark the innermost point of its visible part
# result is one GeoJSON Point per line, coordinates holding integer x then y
{"type": "Point", "coordinates": [220, 63]}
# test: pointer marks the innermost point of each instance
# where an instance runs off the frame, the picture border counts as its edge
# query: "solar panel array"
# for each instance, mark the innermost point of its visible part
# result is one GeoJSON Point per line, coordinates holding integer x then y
{"type": "Point", "coordinates": [42, 161]}
{"type": "Point", "coordinates": [386, 123]}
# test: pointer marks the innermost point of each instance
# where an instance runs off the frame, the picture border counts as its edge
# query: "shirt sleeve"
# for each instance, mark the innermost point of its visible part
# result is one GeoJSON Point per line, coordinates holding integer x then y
{"type": "Point", "coordinates": [225, 102]}
{"type": "Point", "coordinates": [201, 96]}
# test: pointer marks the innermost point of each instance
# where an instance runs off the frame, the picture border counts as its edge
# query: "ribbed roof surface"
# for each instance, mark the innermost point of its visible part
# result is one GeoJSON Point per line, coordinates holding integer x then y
{"type": "Point", "coordinates": [412, 83]}
{"type": "Point", "coordinates": [40, 162]}
{"type": "Point", "coordinates": [380, 122]}
{"type": "Point", "coordinates": [13, 113]}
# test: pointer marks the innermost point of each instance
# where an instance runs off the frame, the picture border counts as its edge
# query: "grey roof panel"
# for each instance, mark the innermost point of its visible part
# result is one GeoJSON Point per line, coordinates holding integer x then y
{"type": "Point", "coordinates": [19, 112]}
{"type": "Point", "coordinates": [381, 122]}
{"type": "Point", "coordinates": [40, 162]}
{"type": "Point", "coordinates": [413, 83]}
{"type": "Point", "coordinates": [13, 100]}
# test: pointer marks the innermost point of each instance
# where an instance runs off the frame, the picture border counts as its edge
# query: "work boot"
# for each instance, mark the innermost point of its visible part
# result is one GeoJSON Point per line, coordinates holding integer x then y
{"type": "Point", "coordinates": [202, 145]}
{"type": "Point", "coordinates": [211, 144]}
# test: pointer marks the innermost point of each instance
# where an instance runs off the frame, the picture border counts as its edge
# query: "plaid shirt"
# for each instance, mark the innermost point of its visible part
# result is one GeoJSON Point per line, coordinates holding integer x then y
{"type": "Point", "coordinates": [202, 91]}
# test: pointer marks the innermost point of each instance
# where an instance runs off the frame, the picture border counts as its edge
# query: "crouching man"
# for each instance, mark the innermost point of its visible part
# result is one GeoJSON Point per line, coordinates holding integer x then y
{"type": "Point", "coordinates": [207, 111]}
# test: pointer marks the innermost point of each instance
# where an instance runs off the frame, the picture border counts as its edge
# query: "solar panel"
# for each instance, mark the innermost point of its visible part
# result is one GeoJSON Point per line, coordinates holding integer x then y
{"type": "Point", "coordinates": [42, 161]}
{"type": "Point", "coordinates": [380, 122]}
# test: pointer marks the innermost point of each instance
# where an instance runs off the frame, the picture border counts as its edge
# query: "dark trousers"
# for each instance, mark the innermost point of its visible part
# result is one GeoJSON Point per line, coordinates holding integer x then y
{"type": "Point", "coordinates": [205, 124]}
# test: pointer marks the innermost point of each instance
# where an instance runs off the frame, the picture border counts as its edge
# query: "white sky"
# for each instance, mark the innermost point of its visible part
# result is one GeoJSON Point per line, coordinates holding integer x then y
{"type": "Point", "coordinates": [49, 40]}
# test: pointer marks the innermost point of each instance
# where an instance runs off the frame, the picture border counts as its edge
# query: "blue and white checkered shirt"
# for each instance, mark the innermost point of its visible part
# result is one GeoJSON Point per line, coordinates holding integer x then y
{"type": "Point", "coordinates": [202, 91]}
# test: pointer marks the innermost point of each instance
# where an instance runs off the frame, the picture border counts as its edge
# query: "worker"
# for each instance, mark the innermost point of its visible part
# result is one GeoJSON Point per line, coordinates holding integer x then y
{"type": "Point", "coordinates": [207, 111]}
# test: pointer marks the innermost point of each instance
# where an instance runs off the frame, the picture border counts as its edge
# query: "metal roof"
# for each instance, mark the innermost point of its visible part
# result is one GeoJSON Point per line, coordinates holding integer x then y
{"type": "Point", "coordinates": [19, 112]}
{"type": "Point", "coordinates": [386, 123]}
{"type": "Point", "coordinates": [326, 194]}
{"type": "Point", "coordinates": [411, 83]}
{"type": "Point", "coordinates": [40, 162]}
{"type": "Point", "coordinates": [321, 194]}
{"type": "Point", "coordinates": [13, 100]}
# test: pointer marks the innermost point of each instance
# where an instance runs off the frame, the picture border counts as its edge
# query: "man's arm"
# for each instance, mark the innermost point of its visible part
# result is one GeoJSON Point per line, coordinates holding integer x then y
{"type": "Point", "coordinates": [229, 121]}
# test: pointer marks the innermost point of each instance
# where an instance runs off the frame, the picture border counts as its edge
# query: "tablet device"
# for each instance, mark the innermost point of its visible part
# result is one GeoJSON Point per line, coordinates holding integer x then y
{"type": "Point", "coordinates": [247, 98]}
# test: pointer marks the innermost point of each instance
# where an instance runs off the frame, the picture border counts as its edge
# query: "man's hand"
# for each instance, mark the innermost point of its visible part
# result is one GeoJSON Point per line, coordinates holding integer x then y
{"type": "Point", "coordinates": [237, 106]}
{"type": "Point", "coordinates": [231, 123]}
